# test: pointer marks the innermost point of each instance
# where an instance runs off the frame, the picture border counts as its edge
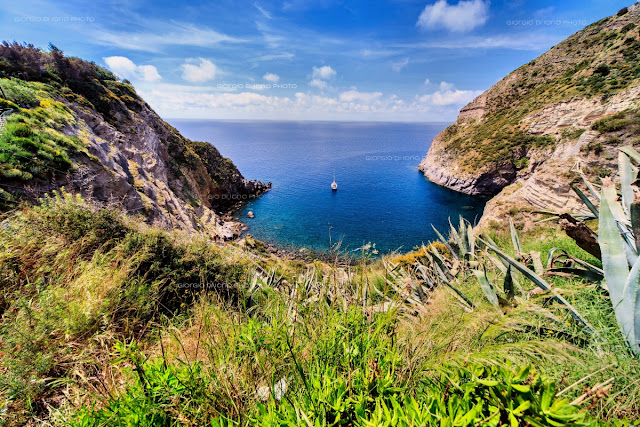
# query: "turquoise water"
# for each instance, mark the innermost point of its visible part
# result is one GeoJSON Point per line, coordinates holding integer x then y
{"type": "Point", "coordinates": [381, 198]}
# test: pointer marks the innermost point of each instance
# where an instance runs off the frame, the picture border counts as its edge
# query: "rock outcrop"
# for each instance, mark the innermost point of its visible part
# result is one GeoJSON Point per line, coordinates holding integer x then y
{"type": "Point", "coordinates": [509, 131]}
{"type": "Point", "coordinates": [127, 154]}
{"type": "Point", "coordinates": [519, 140]}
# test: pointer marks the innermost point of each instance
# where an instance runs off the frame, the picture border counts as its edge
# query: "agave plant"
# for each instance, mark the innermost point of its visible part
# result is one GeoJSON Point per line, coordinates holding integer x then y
{"type": "Point", "coordinates": [618, 239]}
{"type": "Point", "coordinates": [471, 253]}
{"type": "Point", "coordinates": [619, 228]}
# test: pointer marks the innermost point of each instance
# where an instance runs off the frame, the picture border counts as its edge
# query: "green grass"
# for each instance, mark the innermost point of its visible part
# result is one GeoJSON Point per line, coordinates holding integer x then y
{"type": "Point", "coordinates": [99, 329]}
{"type": "Point", "coordinates": [32, 143]}
{"type": "Point", "coordinates": [75, 278]}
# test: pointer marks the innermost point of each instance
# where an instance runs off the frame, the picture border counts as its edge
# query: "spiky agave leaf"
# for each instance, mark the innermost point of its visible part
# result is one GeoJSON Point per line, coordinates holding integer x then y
{"type": "Point", "coordinates": [514, 237]}
{"type": "Point", "coordinates": [445, 242]}
{"type": "Point", "coordinates": [462, 230]}
{"type": "Point", "coordinates": [585, 200]}
{"type": "Point", "coordinates": [538, 281]}
{"type": "Point", "coordinates": [628, 314]}
{"type": "Point", "coordinates": [623, 223]}
{"type": "Point", "coordinates": [616, 269]}
{"type": "Point", "coordinates": [589, 272]}
{"type": "Point", "coordinates": [508, 287]}
{"type": "Point", "coordinates": [537, 262]}
{"type": "Point", "coordinates": [457, 239]}
{"type": "Point", "coordinates": [504, 268]}
{"type": "Point", "coordinates": [589, 184]}
{"type": "Point", "coordinates": [487, 287]}
{"type": "Point", "coordinates": [453, 288]}
{"type": "Point", "coordinates": [628, 174]}
{"type": "Point", "coordinates": [631, 153]}
{"type": "Point", "coordinates": [471, 238]}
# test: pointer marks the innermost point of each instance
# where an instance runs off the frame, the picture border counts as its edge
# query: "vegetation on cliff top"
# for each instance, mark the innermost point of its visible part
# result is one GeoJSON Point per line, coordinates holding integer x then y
{"type": "Point", "coordinates": [598, 61]}
{"type": "Point", "coordinates": [42, 141]}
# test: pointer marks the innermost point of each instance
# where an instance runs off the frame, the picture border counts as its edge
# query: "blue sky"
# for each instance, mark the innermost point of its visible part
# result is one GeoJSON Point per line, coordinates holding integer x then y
{"type": "Point", "coordinates": [396, 60]}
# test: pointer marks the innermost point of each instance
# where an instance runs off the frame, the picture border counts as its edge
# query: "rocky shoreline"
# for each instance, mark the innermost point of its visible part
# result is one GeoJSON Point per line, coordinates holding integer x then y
{"type": "Point", "coordinates": [486, 184]}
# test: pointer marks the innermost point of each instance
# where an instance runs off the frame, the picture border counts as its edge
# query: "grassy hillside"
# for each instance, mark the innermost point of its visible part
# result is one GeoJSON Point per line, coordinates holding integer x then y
{"type": "Point", "coordinates": [107, 322]}
{"type": "Point", "coordinates": [74, 123]}
{"type": "Point", "coordinates": [597, 62]}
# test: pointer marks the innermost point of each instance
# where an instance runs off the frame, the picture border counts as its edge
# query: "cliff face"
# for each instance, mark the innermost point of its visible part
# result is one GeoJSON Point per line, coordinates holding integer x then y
{"type": "Point", "coordinates": [542, 113]}
{"type": "Point", "coordinates": [75, 124]}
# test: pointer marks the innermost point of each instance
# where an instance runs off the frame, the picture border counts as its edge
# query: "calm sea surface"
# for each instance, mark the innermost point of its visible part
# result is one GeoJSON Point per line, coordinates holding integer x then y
{"type": "Point", "coordinates": [381, 198]}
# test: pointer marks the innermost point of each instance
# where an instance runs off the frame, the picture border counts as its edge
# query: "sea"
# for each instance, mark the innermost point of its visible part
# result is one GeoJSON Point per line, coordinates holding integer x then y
{"type": "Point", "coordinates": [382, 197]}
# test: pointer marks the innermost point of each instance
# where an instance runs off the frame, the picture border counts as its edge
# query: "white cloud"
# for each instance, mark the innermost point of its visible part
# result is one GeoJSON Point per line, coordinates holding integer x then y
{"type": "Point", "coordinates": [262, 11]}
{"type": "Point", "coordinates": [324, 73]}
{"type": "Point", "coordinates": [379, 53]}
{"type": "Point", "coordinates": [464, 16]}
{"type": "Point", "coordinates": [398, 66]}
{"type": "Point", "coordinates": [161, 34]}
{"type": "Point", "coordinates": [427, 82]}
{"type": "Point", "coordinates": [447, 94]}
{"type": "Point", "coordinates": [149, 73]}
{"type": "Point", "coordinates": [271, 78]}
{"type": "Point", "coordinates": [197, 73]}
{"type": "Point", "coordinates": [362, 97]}
{"type": "Point", "coordinates": [459, 97]}
{"type": "Point", "coordinates": [206, 102]}
{"type": "Point", "coordinates": [444, 86]}
{"type": "Point", "coordinates": [127, 69]}
{"type": "Point", "coordinates": [320, 84]}
{"type": "Point", "coordinates": [271, 57]}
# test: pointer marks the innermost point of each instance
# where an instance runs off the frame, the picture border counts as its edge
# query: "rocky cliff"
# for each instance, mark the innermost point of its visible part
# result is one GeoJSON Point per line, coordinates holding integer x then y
{"type": "Point", "coordinates": [527, 131]}
{"type": "Point", "coordinates": [75, 124]}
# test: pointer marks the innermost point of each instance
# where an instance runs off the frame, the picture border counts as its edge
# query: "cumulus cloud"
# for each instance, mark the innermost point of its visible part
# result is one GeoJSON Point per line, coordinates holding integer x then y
{"type": "Point", "coordinates": [398, 66]}
{"type": "Point", "coordinates": [271, 78]}
{"type": "Point", "coordinates": [201, 71]}
{"type": "Point", "coordinates": [205, 102]}
{"type": "Point", "coordinates": [427, 82]}
{"type": "Point", "coordinates": [362, 97]}
{"type": "Point", "coordinates": [323, 73]}
{"type": "Point", "coordinates": [462, 17]}
{"type": "Point", "coordinates": [447, 94]}
{"type": "Point", "coordinates": [444, 86]}
{"type": "Point", "coordinates": [320, 84]}
{"type": "Point", "coordinates": [127, 69]}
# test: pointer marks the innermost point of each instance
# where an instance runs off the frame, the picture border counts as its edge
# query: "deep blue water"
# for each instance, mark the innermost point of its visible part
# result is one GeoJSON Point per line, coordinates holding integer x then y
{"type": "Point", "coordinates": [381, 198]}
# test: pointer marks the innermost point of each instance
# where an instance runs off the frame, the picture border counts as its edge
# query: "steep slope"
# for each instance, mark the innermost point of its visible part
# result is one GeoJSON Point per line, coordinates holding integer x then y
{"type": "Point", "coordinates": [75, 124]}
{"type": "Point", "coordinates": [542, 114]}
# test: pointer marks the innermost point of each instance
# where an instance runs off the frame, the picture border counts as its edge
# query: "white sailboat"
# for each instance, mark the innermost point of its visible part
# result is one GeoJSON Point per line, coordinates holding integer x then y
{"type": "Point", "coordinates": [334, 185]}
